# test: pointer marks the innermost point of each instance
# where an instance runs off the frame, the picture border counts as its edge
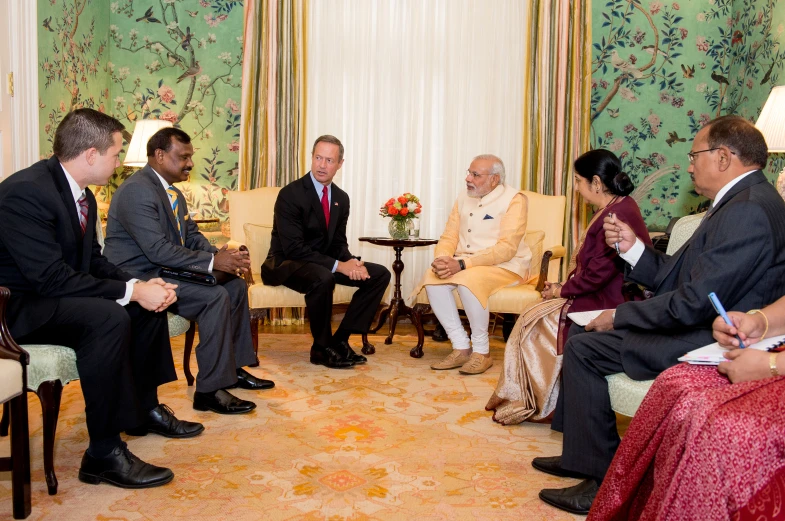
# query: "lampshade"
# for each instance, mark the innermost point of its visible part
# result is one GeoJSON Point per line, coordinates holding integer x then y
{"type": "Point", "coordinates": [143, 131]}
{"type": "Point", "coordinates": [771, 121]}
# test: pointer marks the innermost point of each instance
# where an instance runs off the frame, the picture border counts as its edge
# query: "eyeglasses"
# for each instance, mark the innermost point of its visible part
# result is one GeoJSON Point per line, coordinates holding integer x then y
{"type": "Point", "coordinates": [475, 175]}
{"type": "Point", "coordinates": [692, 155]}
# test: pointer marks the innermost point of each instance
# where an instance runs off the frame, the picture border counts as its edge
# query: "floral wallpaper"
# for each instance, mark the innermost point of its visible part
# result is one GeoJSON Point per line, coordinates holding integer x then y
{"type": "Point", "coordinates": [662, 69]}
{"type": "Point", "coordinates": [178, 60]}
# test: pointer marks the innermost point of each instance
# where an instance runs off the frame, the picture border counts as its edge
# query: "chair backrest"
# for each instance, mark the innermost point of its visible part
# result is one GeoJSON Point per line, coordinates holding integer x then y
{"type": "Point", "coordinates": [546, 213]}
{"type": "Point", "coordinates": [682, 231]}
{"type": "Point", "coordinates": [251, 206]}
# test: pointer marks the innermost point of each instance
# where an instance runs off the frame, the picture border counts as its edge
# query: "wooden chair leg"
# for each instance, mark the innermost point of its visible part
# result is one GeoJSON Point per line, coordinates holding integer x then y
{"type": "Point", "coordinates": [20, 457]}
{"type": "Point", "coordinates": [50, 393]}
{"type": "Point", "coordinates": [417, 312]}
{"type": "Point", "coordinates": [508, 324]}
{"type": "Point", "coordinates": [256, 315]}
{"type": "Point", "coordinates": [189, 345]}
{"type": "Point", "coordinates": [5, 420]}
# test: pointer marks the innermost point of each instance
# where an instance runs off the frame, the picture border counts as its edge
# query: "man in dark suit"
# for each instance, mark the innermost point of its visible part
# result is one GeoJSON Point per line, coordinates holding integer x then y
{"type": "Point", "coordinates": [63, 291]}
{"type": "Point", "coordinates": [309, 253]}
{"type": "Point", "coordinates": [148, 228]}
{"type": "Point", "coordinates": [738, 252]}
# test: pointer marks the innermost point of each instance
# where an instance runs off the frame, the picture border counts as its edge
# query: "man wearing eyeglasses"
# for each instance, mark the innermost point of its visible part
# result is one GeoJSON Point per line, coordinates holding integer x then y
{"type": "Point", "coordinates": [481, 251]}
{"type": "Point", "coordinates": [738, 252]}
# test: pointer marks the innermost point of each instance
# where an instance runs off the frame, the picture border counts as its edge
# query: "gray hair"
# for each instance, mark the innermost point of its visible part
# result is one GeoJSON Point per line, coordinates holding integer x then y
{"type": "Point", "coordinates": [497, 168]}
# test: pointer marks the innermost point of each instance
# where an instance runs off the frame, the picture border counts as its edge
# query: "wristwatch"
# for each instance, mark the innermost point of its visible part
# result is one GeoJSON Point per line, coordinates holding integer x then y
{"type": "Point", "coordinates": [461, 264]}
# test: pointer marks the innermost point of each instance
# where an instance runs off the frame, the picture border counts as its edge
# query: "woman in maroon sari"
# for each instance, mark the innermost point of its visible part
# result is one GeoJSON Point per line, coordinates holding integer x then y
{"type": "Point", "coordinates": [529, 384]}
{"type": "Point", "coordinates": [707, 442]}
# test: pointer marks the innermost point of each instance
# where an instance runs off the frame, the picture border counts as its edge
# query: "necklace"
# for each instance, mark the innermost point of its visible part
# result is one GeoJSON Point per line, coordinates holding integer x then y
{"type": "Point", "coordinates": [609, 203]}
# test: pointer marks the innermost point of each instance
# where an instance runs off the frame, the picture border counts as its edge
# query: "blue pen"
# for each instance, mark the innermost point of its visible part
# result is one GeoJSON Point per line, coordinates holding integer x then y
{"type": "Point", "coordinates": [721, 312]}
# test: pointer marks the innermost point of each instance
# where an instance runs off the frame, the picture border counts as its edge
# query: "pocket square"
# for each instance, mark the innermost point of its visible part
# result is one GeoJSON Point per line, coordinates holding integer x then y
{"type": "Point", "coordinates": [487, 217]}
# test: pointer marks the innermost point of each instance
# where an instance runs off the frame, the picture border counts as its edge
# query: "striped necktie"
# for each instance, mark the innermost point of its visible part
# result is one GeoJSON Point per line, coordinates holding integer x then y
{"type": "Point", "coordinates": [174, 202]}
{"type": "Point", "coordinates": [83, 208]}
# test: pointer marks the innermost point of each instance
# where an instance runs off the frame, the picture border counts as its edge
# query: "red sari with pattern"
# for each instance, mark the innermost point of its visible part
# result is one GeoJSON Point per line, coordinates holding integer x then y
{"type": "Point", "coordinates": [701, 448]}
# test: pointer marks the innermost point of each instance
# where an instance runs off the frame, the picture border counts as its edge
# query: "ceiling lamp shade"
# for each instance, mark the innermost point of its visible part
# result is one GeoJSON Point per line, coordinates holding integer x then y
{"type": "Point", "coordinates": [143, 131]}
{"type": "Point", "coordinates": [771, 121]}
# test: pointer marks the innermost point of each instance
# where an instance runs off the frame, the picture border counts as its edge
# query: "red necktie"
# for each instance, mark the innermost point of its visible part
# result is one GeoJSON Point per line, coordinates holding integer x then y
{"type": "Point", "coordinates": [83, 209]}
{"type": "Point", "coordinates": [326, 206]}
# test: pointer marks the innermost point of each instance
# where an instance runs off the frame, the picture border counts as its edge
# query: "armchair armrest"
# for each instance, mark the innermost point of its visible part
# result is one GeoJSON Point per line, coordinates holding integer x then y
{"type": "Point", "coordinates": [8, 347]}
{"type": "Point", "coordinates": [558, 251]}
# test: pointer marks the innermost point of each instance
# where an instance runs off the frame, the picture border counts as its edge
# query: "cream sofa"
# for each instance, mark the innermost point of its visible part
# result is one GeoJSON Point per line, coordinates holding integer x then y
{"type": "Point", "coordinates": [545, 238]}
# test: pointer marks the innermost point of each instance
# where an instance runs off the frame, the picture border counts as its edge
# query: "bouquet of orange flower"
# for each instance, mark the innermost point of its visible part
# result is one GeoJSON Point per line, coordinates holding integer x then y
{"type": "Point", "coordinates": [402, 208]}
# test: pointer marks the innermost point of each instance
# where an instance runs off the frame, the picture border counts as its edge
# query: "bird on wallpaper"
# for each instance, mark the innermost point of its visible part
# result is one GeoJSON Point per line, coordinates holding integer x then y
{"type": "Point", "coordinates": [190, 72]}
{"type": "Point", "coordinates": [688, 71]}
{"type": "Point", "coordinates": [186, 40]}
{"type": "Point", "coordinates": [673, 137]}
{"type": "Point", "coordinates": [614, 113]}
{"type": "Point", "coordinates": [737, 37]}
{"type": "Point", "coordinates": [175, 59]}
{"type": "Point", "coordinates": [192, 14]}
{"type": "Point", "coordinates": [46, 24]}
{"type": "Point", "coordinates": [646, 161]}
{"type": "Point", "coordinates": [719, 78]}
{"type": "Point", "coordinates": [148, 17]}
{"type": "Point", "coordinates": [767, 76]}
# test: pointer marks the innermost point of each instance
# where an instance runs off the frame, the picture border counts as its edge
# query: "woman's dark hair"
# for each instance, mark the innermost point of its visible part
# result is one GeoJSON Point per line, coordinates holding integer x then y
{"type": "Point", "coordinates": [605, 165]}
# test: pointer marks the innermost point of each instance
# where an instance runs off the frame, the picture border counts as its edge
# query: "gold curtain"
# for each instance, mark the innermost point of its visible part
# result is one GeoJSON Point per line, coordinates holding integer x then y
{"type": "Point", "coordinates": [557, 104]}
{"type": "Point", "coordinates": [273, 102]}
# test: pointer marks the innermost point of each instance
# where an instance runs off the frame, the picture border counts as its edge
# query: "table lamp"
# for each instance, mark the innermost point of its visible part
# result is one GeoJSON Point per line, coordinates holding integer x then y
{"type": "Point", "coordinates": [136, 156]}
{"type": "Point", "coordinates": [770, 123]}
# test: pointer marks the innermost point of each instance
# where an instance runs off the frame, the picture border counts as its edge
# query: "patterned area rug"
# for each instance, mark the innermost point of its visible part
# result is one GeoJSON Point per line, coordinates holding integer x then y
{"type": "Point", "coordinates": [390, 440]}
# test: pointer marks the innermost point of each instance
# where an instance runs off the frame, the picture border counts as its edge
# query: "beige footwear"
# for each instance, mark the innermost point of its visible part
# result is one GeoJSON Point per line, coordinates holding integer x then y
{"type": "Point", "coordinates": [455, 359]}
{"type": "Point", "coordinates": [477, 364]}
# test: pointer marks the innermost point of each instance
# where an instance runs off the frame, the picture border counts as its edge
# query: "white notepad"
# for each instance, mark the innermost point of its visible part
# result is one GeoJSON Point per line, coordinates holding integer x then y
{"type": "Point", "coordinates": [584, 317]}
{"type": "Point", "coordinates": [712, 354]}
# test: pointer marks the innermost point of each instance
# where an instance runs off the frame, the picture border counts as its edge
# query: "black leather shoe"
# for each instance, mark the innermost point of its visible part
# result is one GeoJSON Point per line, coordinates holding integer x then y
{"type": "Point", "coordinates": [161, 420]}
{"type": "Point", "coordinates": [439, 334]}
{"type": "Point", "coordinates": [348, 353]}
{"type": "Point", "coordinates": [575, 500]}
{"type": "Point", "coordinates": [552, 465]}
{"type": "Point", "coordinates": [246, 380]}
{"type": "Point", "coordinates": [122, 469]}
{"type": "Point", "coordinates": [222, 402]}
{"type": "Point", "coordinates": [328, 357]}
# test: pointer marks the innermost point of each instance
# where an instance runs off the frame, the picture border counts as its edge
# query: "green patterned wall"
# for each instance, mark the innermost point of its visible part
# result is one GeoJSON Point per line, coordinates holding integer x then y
{"type": "Point", "coordinates": [178, 60]}
{"type": "Point", "coordinates": [662, 69]}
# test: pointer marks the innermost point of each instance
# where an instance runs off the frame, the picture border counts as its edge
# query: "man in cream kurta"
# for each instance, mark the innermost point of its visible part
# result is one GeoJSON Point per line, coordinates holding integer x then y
{"type": "Point", "coordinates": [480, 252]}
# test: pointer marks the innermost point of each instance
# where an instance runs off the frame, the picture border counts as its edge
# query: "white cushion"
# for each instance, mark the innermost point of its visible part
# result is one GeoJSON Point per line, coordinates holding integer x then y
{"type": "Point", "coordinates": [626, 393]}
{"type": "Point", "coordinates": [10, 379]}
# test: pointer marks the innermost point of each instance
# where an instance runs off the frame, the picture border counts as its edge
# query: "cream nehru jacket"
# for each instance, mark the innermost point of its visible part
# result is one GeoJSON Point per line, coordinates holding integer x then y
{"type": "Point", "coordinates": [489, 231]}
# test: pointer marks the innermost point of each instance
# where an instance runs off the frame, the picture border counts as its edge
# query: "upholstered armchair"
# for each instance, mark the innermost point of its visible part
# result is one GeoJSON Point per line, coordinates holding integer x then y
{"type": "Point", "coordinates": [626, 393]}
{"type": "Point", "coordinates": [545, 239]}
{"type": "Point", "coordinates": [13, 383]}
{"type": "Point", "coordinates": [251, 217]}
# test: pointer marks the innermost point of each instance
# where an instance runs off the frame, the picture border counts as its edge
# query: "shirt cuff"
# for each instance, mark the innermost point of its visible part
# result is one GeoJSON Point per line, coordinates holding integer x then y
{"type": "Point", "coordinates": [335, 266]}
{"type": "Point", "coordinates": [634, 254]}
{"type": "Point", "coordinates": [129, 289]}
{"type": "Point", "coordinates": [210, 267]}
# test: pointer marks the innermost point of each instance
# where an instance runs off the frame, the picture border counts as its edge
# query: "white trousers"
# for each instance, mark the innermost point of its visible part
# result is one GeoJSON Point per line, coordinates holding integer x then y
{"type": "Point", "coordinates": [443, 305]}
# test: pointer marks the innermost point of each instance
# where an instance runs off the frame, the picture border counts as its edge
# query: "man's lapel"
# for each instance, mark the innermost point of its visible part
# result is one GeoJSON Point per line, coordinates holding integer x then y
{"type": "Point", "coordinates": [336, 210]}
{"type": "Point", "coordinates": [163, 197]}
{"type": "Point", "coordinates": [89, 231]}
{"type": "Point", "coordinates": [65, 194]}
{"type": "Point", "coordinates": [316, 202]}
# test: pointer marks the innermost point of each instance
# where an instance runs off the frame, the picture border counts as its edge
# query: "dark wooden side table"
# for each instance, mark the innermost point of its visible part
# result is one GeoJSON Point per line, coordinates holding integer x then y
{"type": "Point", "coordinates": [398, 307]}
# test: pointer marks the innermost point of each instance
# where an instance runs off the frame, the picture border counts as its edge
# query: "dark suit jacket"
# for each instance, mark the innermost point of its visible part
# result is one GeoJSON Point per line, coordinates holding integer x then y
{"type": "Point", "coordinates": [300, 233]}
{"type": "Point", "coordinates": [141, 231]}
{"type": "Point", "coordinates": [43, 255]}
{"type": "Point", "coordinates": [738, 252]}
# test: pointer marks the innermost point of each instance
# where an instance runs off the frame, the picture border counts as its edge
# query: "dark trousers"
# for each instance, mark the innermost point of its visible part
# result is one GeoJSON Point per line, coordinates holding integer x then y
{"type": "Point", "coordinates": [318, 283]}
{"type": "Point", "coordinates": [122, 354]}
{"type": "Point", "coordinates": [225, 342]}
{"type": "Point", "coordinates": [583, 410]}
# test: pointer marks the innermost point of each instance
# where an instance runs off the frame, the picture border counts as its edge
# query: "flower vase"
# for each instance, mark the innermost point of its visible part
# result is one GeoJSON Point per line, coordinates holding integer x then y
{"type": "Point", "coordinates": [399, 229]}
